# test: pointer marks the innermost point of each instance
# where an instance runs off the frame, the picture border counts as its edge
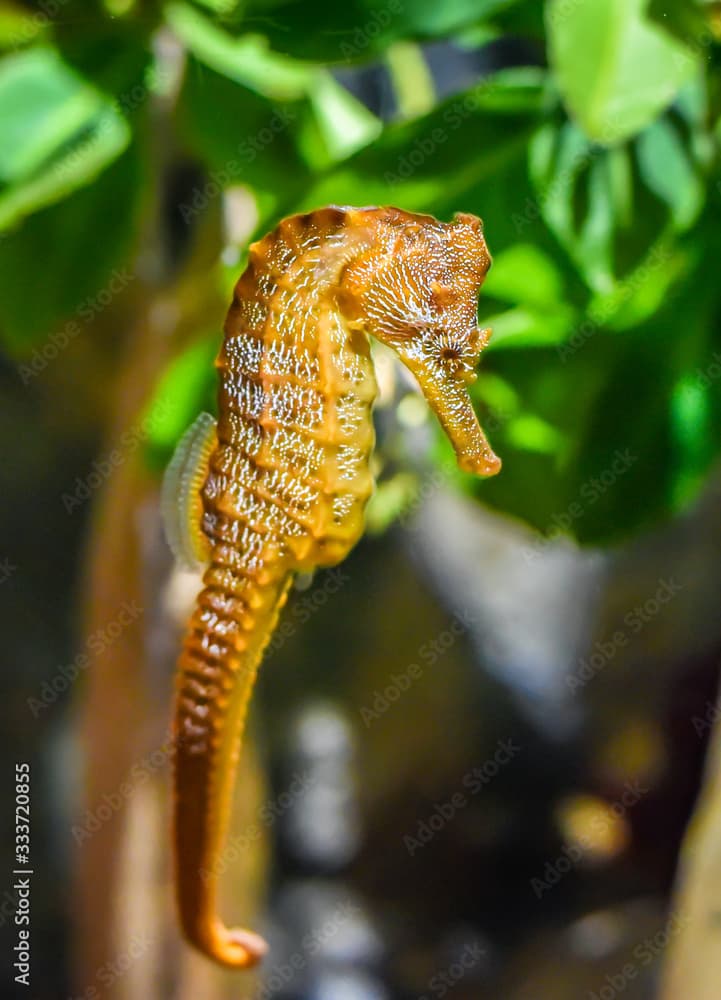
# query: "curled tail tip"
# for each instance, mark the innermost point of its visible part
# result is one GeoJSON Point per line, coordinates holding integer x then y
{"type": "Point", "coordinates": [248, 948]}
{"type": "Point", "coordinates": [234, 947]}
{"type": "Point", "coordinates": [484, 463]}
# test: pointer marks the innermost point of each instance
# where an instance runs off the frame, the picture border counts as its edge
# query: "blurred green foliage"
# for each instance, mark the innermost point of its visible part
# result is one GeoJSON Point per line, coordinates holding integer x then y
{"type": "Point", "coordinates": [592, 156]}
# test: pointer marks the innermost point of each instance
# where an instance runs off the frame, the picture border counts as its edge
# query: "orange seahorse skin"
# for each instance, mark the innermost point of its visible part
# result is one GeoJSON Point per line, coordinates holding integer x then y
{"type": "Point", "coordinates": [288, 474]}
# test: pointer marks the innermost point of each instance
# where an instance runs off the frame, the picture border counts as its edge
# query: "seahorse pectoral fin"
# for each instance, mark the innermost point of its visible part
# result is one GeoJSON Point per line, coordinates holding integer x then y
{"type": "Point", "coordinates": [181, 504]}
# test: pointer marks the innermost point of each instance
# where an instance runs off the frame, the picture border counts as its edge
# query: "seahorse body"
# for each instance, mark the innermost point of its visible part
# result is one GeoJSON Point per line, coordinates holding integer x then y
{"type": "Point", "coordinates": [284, 484]}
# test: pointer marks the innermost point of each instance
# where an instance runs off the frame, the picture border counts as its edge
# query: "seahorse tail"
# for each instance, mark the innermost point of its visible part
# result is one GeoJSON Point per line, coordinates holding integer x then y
{"type": "Point", "coordinates": [233, 620]}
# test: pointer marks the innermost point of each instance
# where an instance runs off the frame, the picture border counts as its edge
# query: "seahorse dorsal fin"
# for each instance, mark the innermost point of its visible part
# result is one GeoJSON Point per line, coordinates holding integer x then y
{"type": "Point", "coordinates": [181, 502]}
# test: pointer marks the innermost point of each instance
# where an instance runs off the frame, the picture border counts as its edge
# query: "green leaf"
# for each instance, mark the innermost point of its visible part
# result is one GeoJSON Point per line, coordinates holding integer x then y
{"type": "Point", "coordinates": [526, 326]}
{"type": "Point", "coordinates": [116, 55]}
{"type": "Point", "coordinates": [692, 433]}
{"type": "Point", "coordinates": [574, 186]}
{"type": "Point", "coordinates": [609, 207]}
{"type": "Point", "coordinates": [390, 499]}
{"type": "Point", "coordinates": [222, 8]}
{"type": "Point", "coordinates": [260, 150]}
{"type": "Point", "coordinates": [668, 171]}
{"type": "Point", "coordinates": [247, 60]}
{"type": "Point", "coordinates": [531, 433]}
{"type": "Point", "coordinates": [433, 162]}
{"type": "Point", "coordinates": [643, 291]}
{"type": "Point", "coordinates": [523, 19]}
{"type": "Point", "coordinates": [287, 116]}
{"type": "Point", "coordinates": [190, 383]}
{"type": "Point", "coordinates": [58, 265]}
{"type": "Point", "coordinates": [616, 70]}
{"type": "Point", "coordinates": [523, 273]}
{"type": "Point", "coordinates": [686, 19]}
{"type": "Point", "coordinates": [621, 431]}
{"type": "Point", "coordinates": [360, 29]}
{"type": "Point", "coordinates": [531, 282]}
{"type": "Point", "coordinates": [56, 132]}
{"type": "Point", "coordinates": [18, 26]}
{"type": "Point", "coordinates": [343, 123]}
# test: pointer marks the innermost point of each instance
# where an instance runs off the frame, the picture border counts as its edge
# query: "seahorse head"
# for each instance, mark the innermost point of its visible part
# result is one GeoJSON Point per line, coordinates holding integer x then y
{"type": "Point", "coordinates": [416, 290]}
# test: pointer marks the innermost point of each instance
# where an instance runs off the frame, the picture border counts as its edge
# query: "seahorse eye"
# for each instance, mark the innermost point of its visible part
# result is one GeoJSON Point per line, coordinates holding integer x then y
{"type": "Point", "coordinates": [450, 354]}
{"type": "Point", "coordinates": [453, 353]}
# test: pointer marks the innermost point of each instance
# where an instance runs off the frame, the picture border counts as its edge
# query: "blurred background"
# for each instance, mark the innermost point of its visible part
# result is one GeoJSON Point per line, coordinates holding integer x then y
{"type": "Point", "coordinates": [478, 744]}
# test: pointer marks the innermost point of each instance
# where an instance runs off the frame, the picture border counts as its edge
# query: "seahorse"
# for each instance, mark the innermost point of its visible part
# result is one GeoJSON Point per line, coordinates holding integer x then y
{"type": "Point", "coordinates": [279, 484]}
